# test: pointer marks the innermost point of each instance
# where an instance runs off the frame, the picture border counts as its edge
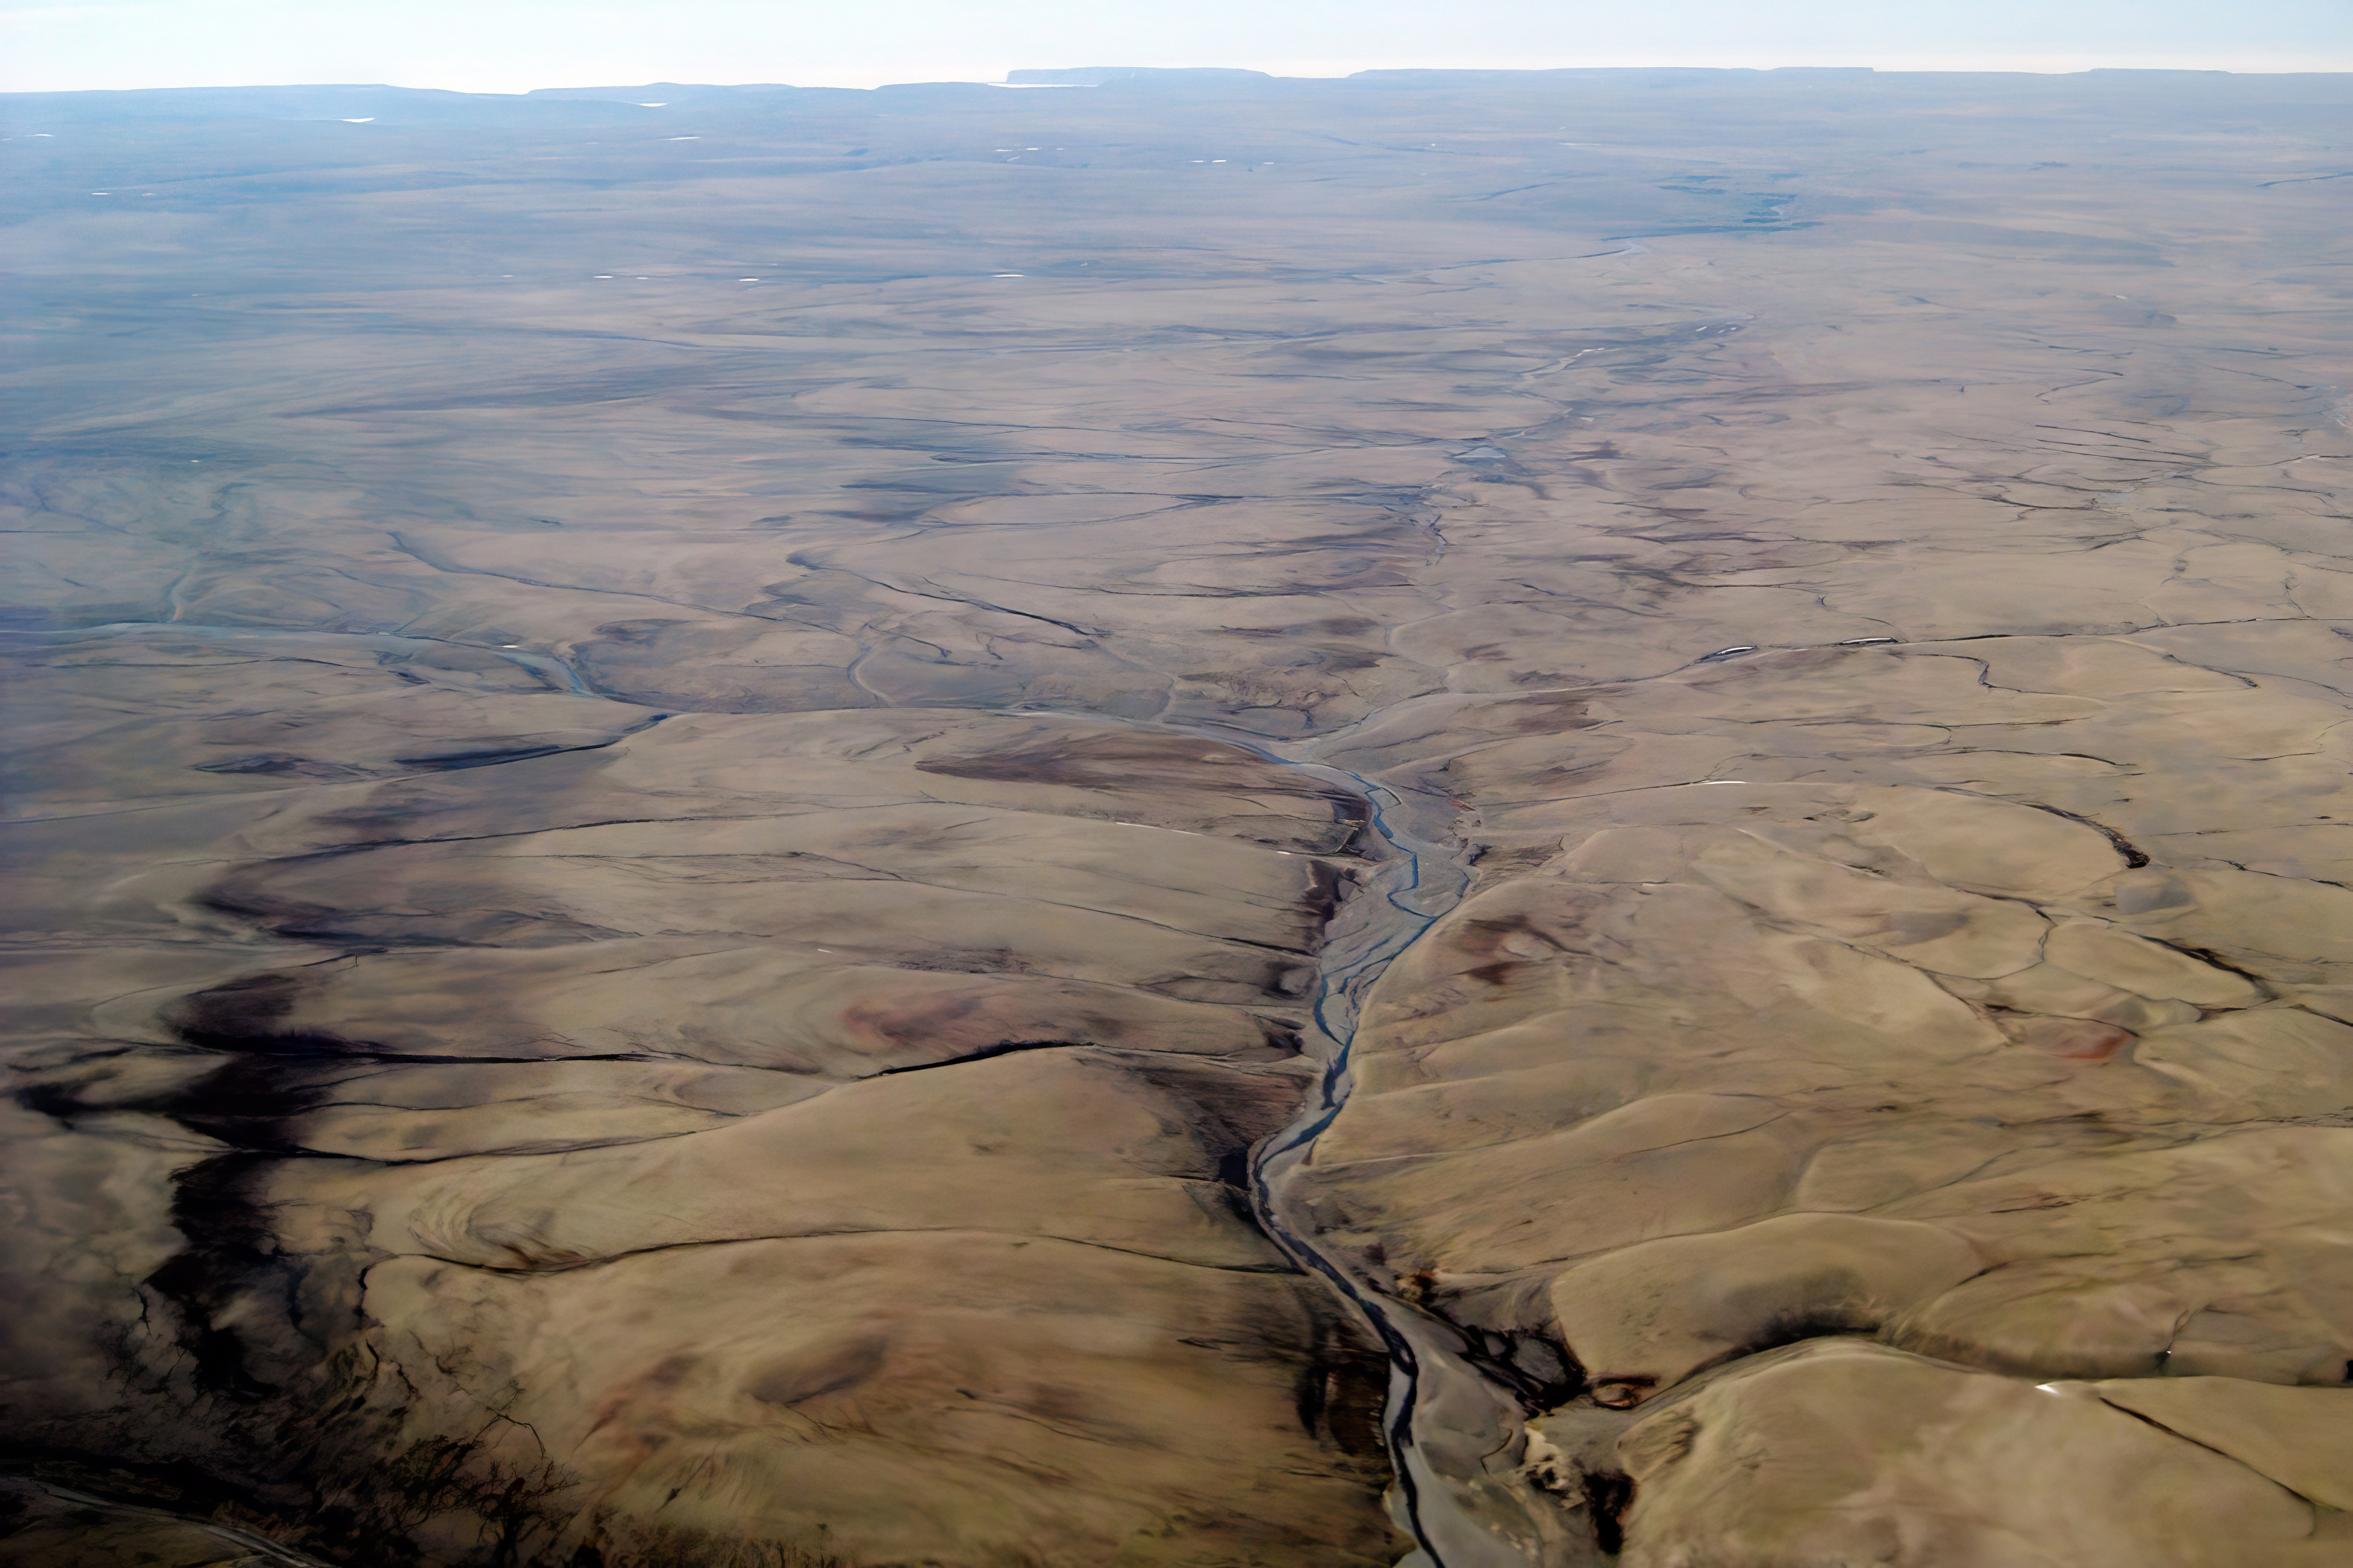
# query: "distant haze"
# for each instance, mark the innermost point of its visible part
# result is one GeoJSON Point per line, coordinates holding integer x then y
{"type": "Point", "coordinates": [511, 45]}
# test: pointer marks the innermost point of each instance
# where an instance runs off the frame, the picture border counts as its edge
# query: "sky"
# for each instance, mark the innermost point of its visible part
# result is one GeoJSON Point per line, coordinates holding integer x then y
{"type": "Point", "coordinates": [513, 46]}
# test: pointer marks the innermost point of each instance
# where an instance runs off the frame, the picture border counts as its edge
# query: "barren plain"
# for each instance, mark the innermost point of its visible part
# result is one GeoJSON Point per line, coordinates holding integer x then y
{"type": "Point", "coordinates": [1499, 819]}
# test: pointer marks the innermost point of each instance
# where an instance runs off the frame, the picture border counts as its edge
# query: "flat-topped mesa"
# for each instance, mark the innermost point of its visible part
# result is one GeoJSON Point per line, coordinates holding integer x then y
{"type": "Point", "coordinates": [1156, 76]}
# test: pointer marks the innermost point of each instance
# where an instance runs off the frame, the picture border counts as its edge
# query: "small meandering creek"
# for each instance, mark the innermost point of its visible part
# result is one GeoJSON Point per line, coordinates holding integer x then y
{"type": "Point", "coordinates": [1444, 1418]}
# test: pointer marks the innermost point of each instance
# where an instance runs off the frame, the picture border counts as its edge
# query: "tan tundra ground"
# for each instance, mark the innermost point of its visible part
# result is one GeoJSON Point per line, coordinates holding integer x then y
{"type": "Point", "coordinates": [698, 793]}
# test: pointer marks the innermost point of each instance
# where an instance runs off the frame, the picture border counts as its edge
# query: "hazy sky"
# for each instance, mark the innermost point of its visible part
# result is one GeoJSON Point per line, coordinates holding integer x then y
{"type": "Point", "coordinates": [509, 45]}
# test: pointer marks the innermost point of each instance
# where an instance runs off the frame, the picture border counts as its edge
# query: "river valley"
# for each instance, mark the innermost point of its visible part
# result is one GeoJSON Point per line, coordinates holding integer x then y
{"type": "Point", "coordinates": [1487, 820]}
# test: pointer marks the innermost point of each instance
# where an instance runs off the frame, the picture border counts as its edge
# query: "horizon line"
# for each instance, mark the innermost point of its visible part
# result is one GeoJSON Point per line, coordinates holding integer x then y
{"type": "Point", "coordinates": [1331, 72]}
